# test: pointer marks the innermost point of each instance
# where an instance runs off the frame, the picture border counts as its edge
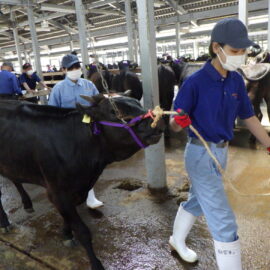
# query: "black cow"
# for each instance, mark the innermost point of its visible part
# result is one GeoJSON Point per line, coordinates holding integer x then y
{"type": "Point", "coordinates": [118, 83]}
{"type": "Point", "coordinates": [53, 148]}
{"type": "Point", "coordinates": [127, 80]}
{"type": "Point", "coordinates": [166, 81]}
{"type": "Point", "coordinates": [94, 76]}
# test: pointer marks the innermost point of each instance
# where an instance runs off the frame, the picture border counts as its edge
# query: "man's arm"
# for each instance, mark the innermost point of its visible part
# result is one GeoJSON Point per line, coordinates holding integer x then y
{"type": "Point", "coordinates": [27, 88]}
{"type": "Point", "coordinates": [258, 130]}
{"type": "Point", "coordinates": [16, 87]}
{"type": "Point", "coordinates": [44, 85]}
{"type": "Point", "coordinates": [54, 99]}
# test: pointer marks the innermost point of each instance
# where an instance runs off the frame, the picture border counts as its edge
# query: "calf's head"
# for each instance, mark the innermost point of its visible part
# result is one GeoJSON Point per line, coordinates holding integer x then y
{"type": "Point", "coordinates": [127, 108]}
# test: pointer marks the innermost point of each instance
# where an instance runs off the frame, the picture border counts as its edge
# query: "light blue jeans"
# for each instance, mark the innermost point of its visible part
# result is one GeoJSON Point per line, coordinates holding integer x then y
{"type": "Point", "coordinates": [207, 195]}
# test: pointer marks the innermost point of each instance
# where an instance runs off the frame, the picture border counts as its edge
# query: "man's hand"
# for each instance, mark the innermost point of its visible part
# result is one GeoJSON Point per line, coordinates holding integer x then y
{"type": "Point", "coordinates": [31, 91]}
{"type": "Point", "coordinates": [182, 119]}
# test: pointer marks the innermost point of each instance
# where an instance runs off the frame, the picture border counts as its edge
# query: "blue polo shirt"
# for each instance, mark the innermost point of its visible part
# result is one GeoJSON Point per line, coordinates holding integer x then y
{"type": "Point", "coordinates": [213, 102]}
{"type": "Point", "coordinates": [9, 83]}
{"type": "Point", "coordinates": [66, 94]}
{"type": "Point", "coordinates": [31, 81]}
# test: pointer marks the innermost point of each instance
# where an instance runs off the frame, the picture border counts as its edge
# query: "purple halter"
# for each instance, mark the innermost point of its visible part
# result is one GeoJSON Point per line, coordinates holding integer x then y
{"type": "Point", "coordinates": [97, 131]}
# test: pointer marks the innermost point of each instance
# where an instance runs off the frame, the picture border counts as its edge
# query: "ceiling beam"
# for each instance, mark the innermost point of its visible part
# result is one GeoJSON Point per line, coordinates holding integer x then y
{"type": "Point", "coordinates": [14, 2]}
{"type": "Point", "coordinates": [58, 8]}
{"type": "Point", "coordinates": [259, 7]}
{"type": "Point", "coordinates": [180, 10]}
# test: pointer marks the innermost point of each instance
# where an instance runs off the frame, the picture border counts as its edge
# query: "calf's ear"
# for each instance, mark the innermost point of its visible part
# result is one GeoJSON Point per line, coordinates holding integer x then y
{"type": "Point", "coordinates": [94, 100]}
{"type": "Point", "coordinates": [81, 108]}
{"type": "Point", "coordinates": [86, 111]}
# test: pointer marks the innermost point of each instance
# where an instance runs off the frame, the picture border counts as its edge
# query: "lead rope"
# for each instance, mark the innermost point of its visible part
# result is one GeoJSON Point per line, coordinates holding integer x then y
{"type": "Point", "coordinates": [103, 81]}
{"type": "Point", "coordinates": [158, 113]}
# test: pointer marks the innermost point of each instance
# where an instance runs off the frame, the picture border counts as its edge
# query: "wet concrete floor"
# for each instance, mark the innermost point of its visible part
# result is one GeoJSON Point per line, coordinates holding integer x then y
{"type": "Point", "coordinates": [131, 231]}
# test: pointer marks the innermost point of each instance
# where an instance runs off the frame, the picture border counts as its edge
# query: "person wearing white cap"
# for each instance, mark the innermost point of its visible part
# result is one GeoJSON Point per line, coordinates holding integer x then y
{"type": "Point", "coordinates": [66, 94]}
{"type": "Point", "coordinates": [211, 99]}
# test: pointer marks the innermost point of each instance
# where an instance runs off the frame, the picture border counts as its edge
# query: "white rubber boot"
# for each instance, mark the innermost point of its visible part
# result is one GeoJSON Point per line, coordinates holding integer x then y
{"type": "Point", "coordinates": [228, 255]}
{"type": "Point", "coordinates": [92, 202]}
{"type": "Point", "coordinates": [181, 228]}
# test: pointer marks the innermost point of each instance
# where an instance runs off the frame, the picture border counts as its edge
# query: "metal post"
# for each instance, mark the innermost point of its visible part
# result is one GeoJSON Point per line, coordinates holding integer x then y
{"type": "Point", "coordinates": [31, 21]}
{"type": "Point", "coordinates": [136, 47]}
{"type": "Point", "coordinates": [16, 39]}
{"type": "Point", "coordinates": [243, 12]}
{"type": "Point", "coordinates": [71, 45]}
{"type": "Point", "coordinates": [195, 50]}
{"type": "Point", "coordinates": [129, 30]}
{"type": "Point", "coordinates": [80, 13]}
{"type": "Point", "coordinates": [27, 57]}
{"type": "Point", "coordinates": [154, 155]}
{"type": "Point", "coordinates": [177, 32]}
{"type": "Point", "coordinates": [268, 44]}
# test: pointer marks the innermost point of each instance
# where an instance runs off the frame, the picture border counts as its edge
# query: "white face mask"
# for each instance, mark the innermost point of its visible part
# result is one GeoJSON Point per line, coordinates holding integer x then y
{"type": "Point", "coordinates": [29, 72]}
{"type": "Point", "coordinates": [74, 75]}
{"type": "Point", "coordinates": [233, 62]}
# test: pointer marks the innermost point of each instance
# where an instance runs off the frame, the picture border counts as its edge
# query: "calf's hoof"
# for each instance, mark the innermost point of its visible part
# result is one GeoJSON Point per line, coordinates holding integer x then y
{"type": "Point", "coordinates": [70, 243]}
{"type": "Point", "coordinates": [97, 266]}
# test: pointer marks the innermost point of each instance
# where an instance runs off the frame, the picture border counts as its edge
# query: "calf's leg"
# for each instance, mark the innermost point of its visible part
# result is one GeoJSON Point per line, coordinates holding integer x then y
{"type": "Point", "coordinates": [4, 223]}
{"type": "Point", "coordinates": [69, 213]}
{"type": "Point", "coordinates": [26, 201]}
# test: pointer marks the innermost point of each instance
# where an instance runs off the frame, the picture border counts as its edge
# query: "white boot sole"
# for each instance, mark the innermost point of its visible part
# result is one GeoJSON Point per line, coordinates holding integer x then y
{"type": "Point", "coordinates": [95, 206]}
{"type": "Point", "coordinates": [186, 259]}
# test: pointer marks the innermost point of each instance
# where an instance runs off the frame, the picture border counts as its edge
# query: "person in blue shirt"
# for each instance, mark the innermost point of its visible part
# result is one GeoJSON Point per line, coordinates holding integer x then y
{"type": "Point", "coordinates": [29, 80]}
{"type": "Point", "coordinates": [66, 94]}
{"type": "Point", "coordinates": [9, 85]}
{"type": "Point", "coordinates": [212, 98]}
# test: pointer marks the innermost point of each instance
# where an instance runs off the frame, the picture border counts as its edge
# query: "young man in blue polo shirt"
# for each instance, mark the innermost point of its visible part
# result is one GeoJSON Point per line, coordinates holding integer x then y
{"type": "Point", "coordinates": [66, 94]}
{"type": "Point", "coordinates": [212, 98]}
{"type": "Point", "coordinates": [29, 80]}
{"type": "Point", "coordinates": [9, 85]}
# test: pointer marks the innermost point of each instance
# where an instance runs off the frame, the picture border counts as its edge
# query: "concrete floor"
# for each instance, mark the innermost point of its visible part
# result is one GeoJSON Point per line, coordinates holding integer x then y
{"type": "Point", "coordinates": [131, 231]}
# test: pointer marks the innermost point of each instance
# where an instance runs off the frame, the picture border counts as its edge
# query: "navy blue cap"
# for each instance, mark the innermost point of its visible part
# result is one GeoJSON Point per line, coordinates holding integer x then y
{"type": "Point", "coordinates": [231, 32]}
{"type": "Point", "coordinates": [69, 60]}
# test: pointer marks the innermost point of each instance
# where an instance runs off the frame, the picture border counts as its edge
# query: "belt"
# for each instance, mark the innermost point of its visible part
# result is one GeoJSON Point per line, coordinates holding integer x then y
{"type": "Point", "coordinates": [218, 145]}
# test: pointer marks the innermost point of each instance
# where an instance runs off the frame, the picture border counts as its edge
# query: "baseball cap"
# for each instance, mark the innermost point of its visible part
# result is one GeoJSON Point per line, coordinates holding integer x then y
{"type": "Point", "coordinates": [8, 64]}
{"type": "Point", "coordinates": [231, 32]}
{"type": "Point", "coordinates": [26, 65]}
{"type": "Point", "coordinates": [69, 60]}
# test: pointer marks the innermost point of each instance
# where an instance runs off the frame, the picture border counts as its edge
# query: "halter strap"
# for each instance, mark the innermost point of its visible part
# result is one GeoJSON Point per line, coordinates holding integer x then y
{"type": "Point", "coordinates": [126, 126]}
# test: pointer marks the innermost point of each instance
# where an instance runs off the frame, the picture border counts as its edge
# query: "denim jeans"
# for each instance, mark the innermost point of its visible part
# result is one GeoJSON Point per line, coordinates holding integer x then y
{"type": "Point", "coordinates": [207, 195]}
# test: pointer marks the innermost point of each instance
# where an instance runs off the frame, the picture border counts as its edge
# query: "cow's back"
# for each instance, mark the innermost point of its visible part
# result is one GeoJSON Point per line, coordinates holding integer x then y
{"type": "Point", "coordinates": [39, 142]}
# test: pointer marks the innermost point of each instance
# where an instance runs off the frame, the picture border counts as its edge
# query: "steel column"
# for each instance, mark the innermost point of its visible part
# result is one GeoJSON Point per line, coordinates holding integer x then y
{"type": "Point", "coordinates": [35, 45]}
{"type": "Point", "coordinates": [154, 155]}
{"type": "Point", "coordinates": [177, 33]}
{"type": "Point", "coordinates": [80, 13]}
{"type": "Point", "coordinates": [71, 46]}
{"type": "Point", "coordinates": [268, 44]}
{"type": "Point", "coordinates": [130, 31]}
{"type": "Point", "coordinates": [136, 47]}
{"type": "Point", "coordinates": [195, 49]}
{"type": "Point", "coordinates": [16, 39]}
{"type": "Point", "coordinates": [243, 11]}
